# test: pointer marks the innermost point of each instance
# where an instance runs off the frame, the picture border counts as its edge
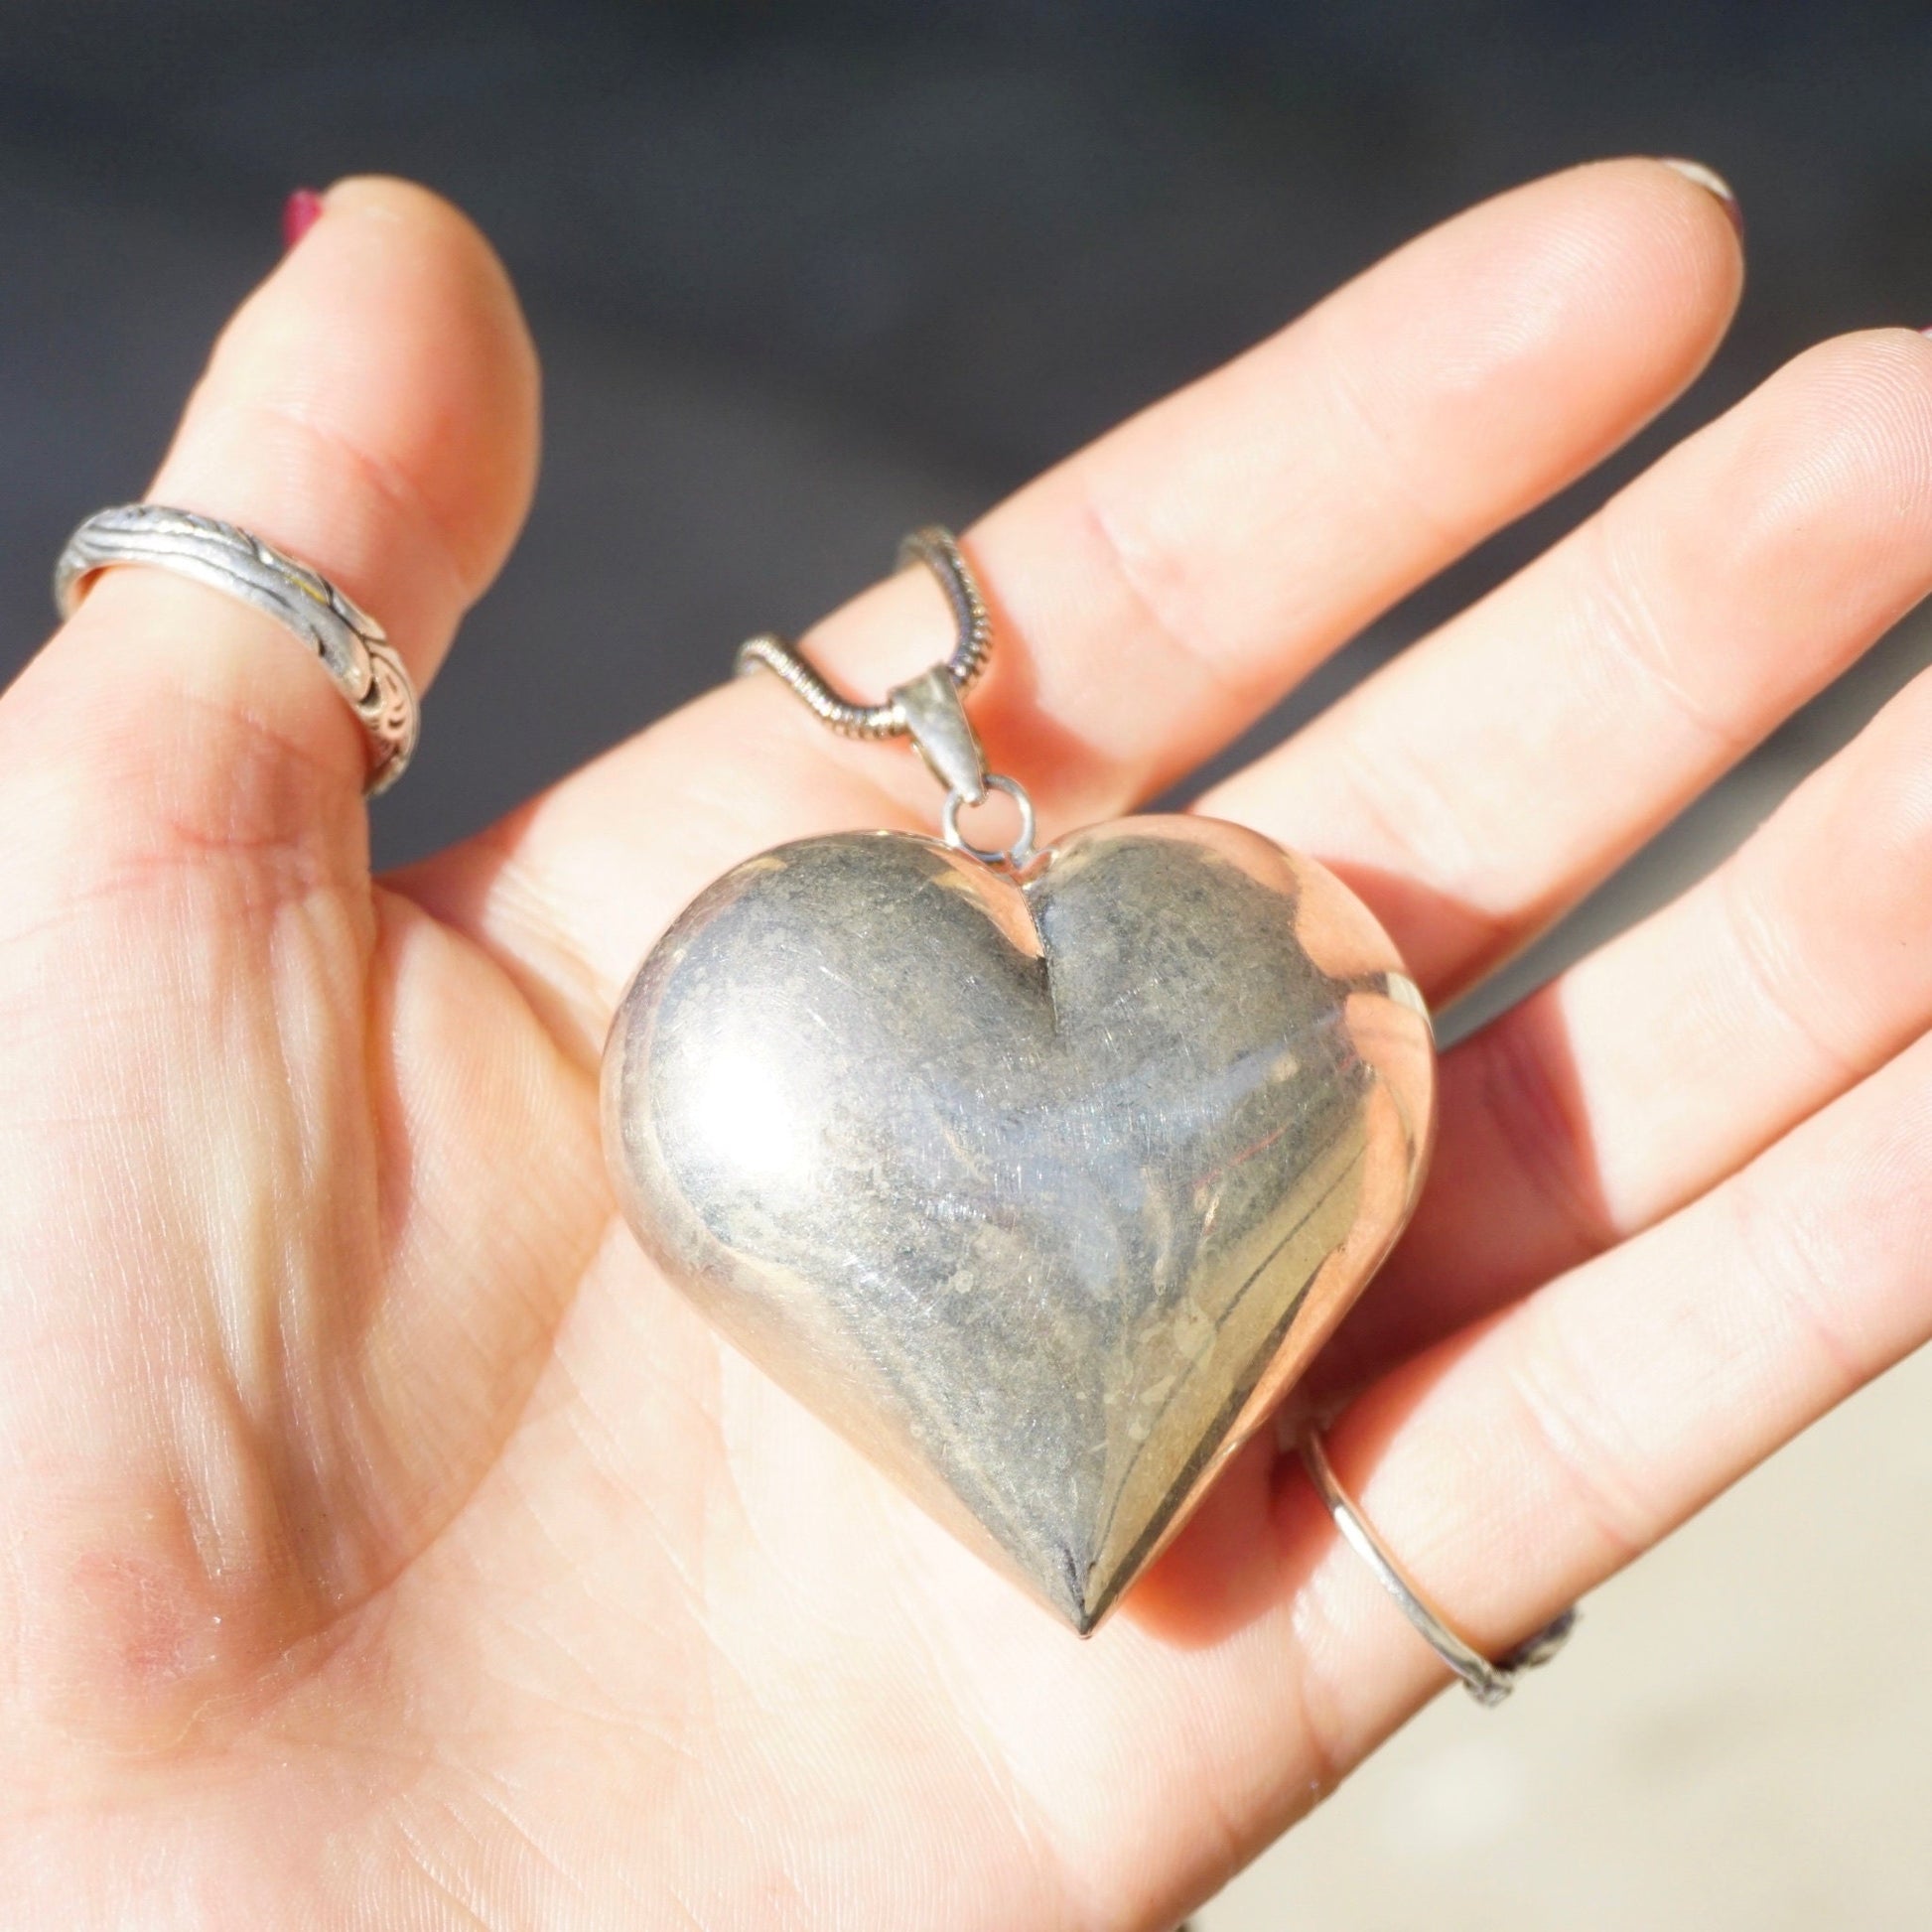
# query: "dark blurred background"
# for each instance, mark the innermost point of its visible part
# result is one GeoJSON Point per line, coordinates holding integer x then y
{"type": "Point", "coordinates": [804, 276]}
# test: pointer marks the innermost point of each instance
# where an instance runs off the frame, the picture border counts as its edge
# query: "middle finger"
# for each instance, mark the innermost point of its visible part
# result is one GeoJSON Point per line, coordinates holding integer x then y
{"type": "Point", "coordinates": [1476, 787]}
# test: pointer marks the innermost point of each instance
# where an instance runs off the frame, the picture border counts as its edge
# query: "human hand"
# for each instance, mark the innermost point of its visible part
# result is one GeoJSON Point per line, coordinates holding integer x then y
{"type": "Point", "coordinates": [389, 1546]}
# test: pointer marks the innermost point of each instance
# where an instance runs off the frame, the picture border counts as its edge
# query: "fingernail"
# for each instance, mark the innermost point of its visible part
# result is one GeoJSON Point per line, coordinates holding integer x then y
{"type": "Point", "coordinates": [300, 213]}
{"type": "Point", "coordinates": [1713, 184]}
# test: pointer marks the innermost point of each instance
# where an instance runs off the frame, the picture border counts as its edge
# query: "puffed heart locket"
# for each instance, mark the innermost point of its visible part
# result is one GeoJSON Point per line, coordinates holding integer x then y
{"type": "Point", "coordinates": [1039, 1175]}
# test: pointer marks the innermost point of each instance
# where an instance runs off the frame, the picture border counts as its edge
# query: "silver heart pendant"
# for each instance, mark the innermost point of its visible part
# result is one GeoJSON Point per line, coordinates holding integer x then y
{"type": "Point", "coordinates": [1040, 1188]}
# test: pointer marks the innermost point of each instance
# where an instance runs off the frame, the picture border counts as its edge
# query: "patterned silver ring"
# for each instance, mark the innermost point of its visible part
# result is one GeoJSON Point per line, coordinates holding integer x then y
{"type": "Point", "coordinates": [1489, 1683]}
{"type": "Point", "coordinates": [348, 642]}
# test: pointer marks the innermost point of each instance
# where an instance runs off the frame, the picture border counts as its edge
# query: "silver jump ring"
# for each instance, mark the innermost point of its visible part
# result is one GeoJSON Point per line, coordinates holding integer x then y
{"type": "Point", "coordinates": [348, 642]}
{"type": "Point", "coordinates": [1489, 1683]}
{"type": "Point", "coordinates": [1013, 856]}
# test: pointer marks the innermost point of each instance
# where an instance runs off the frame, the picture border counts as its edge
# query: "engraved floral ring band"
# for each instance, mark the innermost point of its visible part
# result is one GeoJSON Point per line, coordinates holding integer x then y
{"type": "Point", "coordinates": [349, 645]}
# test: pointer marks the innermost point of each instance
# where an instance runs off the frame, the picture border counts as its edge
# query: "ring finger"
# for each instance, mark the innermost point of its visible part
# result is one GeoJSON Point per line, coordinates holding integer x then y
{"type": "Point", "coordinates": [1516, 1467]}
{"type": "Point", "coordinates": [1670, 1056]}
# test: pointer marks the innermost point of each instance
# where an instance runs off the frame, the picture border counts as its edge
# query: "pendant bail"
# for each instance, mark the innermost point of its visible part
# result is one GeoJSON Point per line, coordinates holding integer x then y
{"type": "Point", "coordinates": [971, 644]}
{"type": "Point", "coordinates": [929, 709]}
{"type": "Point", "coordinates": [943, 733]}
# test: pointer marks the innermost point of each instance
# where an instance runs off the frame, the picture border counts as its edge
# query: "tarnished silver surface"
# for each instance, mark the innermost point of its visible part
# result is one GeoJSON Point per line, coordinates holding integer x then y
{"type": "Point", "coordinates": [348, 642]}
{"type": "Point", "coordinates": [1490, 1684]}
{"type": "Point", "coordinates": [1042, 1189]}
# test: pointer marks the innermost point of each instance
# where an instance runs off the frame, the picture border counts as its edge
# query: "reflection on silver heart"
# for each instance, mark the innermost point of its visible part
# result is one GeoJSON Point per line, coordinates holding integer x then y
{"type": "Point", "coordinates": [1041, 1191]}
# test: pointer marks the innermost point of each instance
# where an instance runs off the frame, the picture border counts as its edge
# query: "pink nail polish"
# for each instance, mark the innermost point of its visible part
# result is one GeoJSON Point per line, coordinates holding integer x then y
{"type": "Point", "coordinates": [1713, 184]}
{"type": "Point", "coordinates": [300, 213]}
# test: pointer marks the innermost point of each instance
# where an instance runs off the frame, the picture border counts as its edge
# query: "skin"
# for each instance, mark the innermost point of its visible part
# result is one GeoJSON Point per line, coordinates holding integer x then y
{"type": "Point", "coordinates": [388, 1548]}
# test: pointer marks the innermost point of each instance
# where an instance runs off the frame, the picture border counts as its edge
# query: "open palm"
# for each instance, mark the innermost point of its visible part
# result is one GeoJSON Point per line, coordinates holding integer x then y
{"type": "Point", "coordinates": [386, 1546]}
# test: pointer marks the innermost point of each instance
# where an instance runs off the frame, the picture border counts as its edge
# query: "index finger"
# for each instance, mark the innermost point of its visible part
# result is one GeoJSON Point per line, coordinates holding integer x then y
{"type": "Point", "coordinates": [1158, 591]}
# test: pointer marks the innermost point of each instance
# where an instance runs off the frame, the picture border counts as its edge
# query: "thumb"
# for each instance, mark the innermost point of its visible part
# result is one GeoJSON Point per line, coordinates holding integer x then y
{"type": "Point", "coordinates": [371, 410]}
{"type": "Point", "coordinates": [192, 1211]}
